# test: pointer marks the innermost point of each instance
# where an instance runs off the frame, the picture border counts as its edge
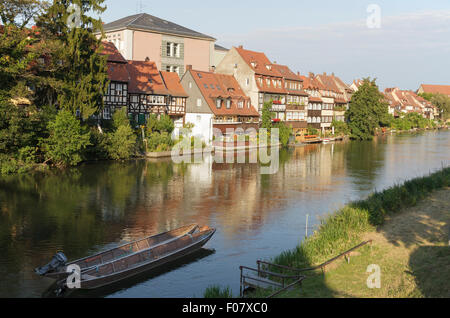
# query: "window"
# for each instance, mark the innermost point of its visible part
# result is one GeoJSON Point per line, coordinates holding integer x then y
{"type": "Point", "coordinates": [218, 103]}
{"type": "Point", "coordinates": [199, 75]}
{"type": "Point", "coordinates": [241, 104]}
{"type": "Point", "coordinates": [247, 81]}
{"type": "Point", "coordinates": [206, 85]}
{"type": "Point", "coordinates": [212, 86]}
{"type": "Point", "coordinates": [228, 103]}
{"type": "Point", "coordinates": [106, 113]}
{"type": "Point", "coordinates": [199, 102]}
{"type": "Point", "coordinates": [173, 49]}
{"type": "Point", "coordinates": [190, 84]}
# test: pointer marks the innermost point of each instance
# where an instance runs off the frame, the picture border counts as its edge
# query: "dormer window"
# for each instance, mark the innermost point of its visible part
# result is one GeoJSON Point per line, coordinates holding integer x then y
{"type": "Point", "coordinates": [269, 67]}
{"type": "Point", "coordinates": [254, 64]}
{"type": "Point", "coordinates": [218, 103]}
{"type": "Point", "coordinates": [228, 103]}
{"type": "Point", "coordinates": [241, 104]}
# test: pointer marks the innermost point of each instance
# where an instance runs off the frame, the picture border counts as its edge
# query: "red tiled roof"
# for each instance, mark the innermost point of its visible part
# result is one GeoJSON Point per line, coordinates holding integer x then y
{"type": "Point", "coordinates": [145, 78]}
{"type": "Point", "coordinates": [287, 73]}
{"type": "Point", "coordinates": [213, 86]}
{"type": "Point", "coordinates": [315, 99]}
{"type": "Point", "coordinates": [435, 89]}
{"type": "Point", "coordinates": [260, 62]}
{"type": "Point", "coordinates": [290, 76]}
{"type": "Point", "coordinates": [113, 53]}
{"type": "Point", "coordinates": [311, 83]}
{"type": "Point", "coordinates": [172, 81]}
{"type": "Point", "coordinates": [118, 72]}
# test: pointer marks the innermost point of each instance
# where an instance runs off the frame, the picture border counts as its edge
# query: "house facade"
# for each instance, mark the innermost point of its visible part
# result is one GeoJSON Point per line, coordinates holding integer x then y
{"type": "Point", "coordinates": [315, 102]}
{"type": "Point", "coordinates": [216, 101]}
{"type": "Point", "coordinates": [296, 100]}
{"type": "Point", "coordinates": [142, 89]}
{"type": "Point", "coordinates": [258, 78]}
{"type": "Point", "coordinates": [143, 37]}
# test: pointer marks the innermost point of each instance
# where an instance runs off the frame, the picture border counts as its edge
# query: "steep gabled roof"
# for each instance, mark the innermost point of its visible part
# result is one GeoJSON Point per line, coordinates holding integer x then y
{"type": "Point", "coordinates": [214, 86]}
{"type": "Point", "coordinates": [116, 63]}
{"type": "Point", "coordinates": [173, 85]}
{"type": "Point", "coordinates": [144, 21]}
{"type": "Point", "coordinates": [258, 62]}
{"type": "Point", "coordinates": [113, 53]}
{"type": "Point", "coordinates": [145, 78]}
{"type": "Point", "coordinates": [436, 89]}
{"type": "Point", "coordinates": [286, 72]}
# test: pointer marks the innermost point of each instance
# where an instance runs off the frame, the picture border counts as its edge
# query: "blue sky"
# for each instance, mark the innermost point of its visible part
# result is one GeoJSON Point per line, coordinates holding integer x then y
{"type": "Point", "coordinates": [411, 47]}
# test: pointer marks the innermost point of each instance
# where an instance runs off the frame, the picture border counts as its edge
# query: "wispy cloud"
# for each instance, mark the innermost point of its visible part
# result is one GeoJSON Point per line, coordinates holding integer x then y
{"type": "Point", "coordinates": [408, 49]}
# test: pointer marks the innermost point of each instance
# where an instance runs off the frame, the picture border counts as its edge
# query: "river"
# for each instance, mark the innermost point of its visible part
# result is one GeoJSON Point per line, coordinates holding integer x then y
{"type": "Point", "coordinates": [95, 206]}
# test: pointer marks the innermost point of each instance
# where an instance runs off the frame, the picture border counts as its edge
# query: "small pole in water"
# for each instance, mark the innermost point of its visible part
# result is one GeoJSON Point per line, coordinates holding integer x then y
{"type": "Point", "coordinates": [307, 216]}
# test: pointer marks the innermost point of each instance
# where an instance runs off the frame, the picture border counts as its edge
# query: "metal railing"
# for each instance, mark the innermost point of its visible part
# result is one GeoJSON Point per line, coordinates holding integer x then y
{"type": "Point", "coordinates": [262, 273]}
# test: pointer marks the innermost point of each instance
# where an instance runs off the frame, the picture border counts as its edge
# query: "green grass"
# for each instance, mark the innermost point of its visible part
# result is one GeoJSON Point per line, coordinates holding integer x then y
{"type": "Point", "coordinates": [345, 228]}
{"type": "Point", "coordinates": [218, 292]}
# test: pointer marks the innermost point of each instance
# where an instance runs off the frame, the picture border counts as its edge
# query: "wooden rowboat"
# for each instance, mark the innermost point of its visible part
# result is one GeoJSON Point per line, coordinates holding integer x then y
{"type": "Point", "coordinates": [144, 260]}
{"type": "Point", "coordinates": [119, 252]}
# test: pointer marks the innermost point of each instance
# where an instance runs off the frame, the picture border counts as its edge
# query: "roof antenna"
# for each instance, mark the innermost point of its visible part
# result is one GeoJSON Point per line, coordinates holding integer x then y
{"type": "Point", "coordinates": [140, 6]}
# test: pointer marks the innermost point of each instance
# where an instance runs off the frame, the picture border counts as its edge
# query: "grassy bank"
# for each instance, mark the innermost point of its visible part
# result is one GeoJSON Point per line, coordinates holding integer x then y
{"type": "Point", "coordinates": [349, 226]}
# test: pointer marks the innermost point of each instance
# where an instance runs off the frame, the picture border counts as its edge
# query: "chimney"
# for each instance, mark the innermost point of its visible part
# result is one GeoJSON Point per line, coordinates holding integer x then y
{"type": "Point", "coordinates": [213, 69]}
{"type": "Point", "coordinates": [332, 74]}
{"type": "Point", "coordinates": [241, 47]}
{"type": "Point", "coordinates": [311, 74]}
{"type": "Point", "coordinates": [324, 73]}
{"type": "Point", "coordinates": [189, 67]}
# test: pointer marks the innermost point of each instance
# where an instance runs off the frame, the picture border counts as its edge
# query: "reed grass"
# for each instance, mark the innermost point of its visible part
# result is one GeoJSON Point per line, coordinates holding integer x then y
{"type": "Point", "coordinates": [344, 229]}
{"type": "Point", "coordinates": [217, 292]}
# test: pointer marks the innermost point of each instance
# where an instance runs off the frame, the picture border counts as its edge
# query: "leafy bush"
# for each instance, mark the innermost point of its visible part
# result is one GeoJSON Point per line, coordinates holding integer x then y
{"type": "Point", "coordinates": [340, 127]}
{"type": "Point", "coordinates": [120, 144]}
{"type": "Point", "coordinates": [67, 140]}
{"type": "Point", "coordinates": [285, 133]}
{"type": "Point", "coordinates": [159, 142]}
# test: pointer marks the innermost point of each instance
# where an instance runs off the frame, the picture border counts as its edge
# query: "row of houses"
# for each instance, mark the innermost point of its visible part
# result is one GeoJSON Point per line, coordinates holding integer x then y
{"type": "Point", "coordinates": [402, 102]}
{"type": "Point", "coordinates": [159, 67]}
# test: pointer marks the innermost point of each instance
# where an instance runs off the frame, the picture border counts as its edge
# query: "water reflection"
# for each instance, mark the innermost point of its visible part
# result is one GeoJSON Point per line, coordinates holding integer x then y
{"type": "Point", "coordinates": [91, 208]}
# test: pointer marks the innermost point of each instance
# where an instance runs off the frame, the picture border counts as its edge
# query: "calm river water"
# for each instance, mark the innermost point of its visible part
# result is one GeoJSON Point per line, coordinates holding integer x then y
{"type": "Point", "coordinates": [93, 207]}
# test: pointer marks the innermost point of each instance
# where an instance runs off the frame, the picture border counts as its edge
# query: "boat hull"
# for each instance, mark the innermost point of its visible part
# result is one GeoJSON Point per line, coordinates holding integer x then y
{"type": "Point", "coordinates": [95, 283]}
{"type": "Point", "coordinates": [108, 256]}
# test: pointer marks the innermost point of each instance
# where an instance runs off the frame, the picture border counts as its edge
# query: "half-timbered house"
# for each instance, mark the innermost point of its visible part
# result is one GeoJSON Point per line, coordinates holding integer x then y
{"type": "Point", "coordinates": [117, 93]}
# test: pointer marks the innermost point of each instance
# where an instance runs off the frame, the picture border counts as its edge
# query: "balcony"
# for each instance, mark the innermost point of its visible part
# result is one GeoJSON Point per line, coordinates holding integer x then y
{"type": "Point", "coordinates": [295, 106]}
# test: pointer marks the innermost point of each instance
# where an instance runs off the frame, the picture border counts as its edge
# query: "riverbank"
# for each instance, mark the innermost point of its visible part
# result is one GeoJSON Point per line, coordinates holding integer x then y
{"type": "Point", "coordinates": [411, 249]}
{"type": "Point", "coordinates": [406, 223]}
{"type": "Point", "coordinates": [410, 244]}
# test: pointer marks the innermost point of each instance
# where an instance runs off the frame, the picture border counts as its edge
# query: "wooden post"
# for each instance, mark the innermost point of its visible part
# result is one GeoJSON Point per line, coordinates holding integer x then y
{"type": "Point", "coordinates": [307, 219]}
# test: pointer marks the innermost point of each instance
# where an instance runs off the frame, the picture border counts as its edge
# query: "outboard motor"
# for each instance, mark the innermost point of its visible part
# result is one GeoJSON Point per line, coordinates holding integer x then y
{"type": "Point", "coordinates": [58, 261]}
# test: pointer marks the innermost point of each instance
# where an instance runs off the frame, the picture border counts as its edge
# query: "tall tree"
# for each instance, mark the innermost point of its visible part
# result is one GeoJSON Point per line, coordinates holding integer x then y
{"type": "Point", "coordinates": [266, 116]}
{"type": "Point", "coordinates": [443, 103]}
{"type": "Point", "coordinates": [83, 69]}
{"type": "Point", "coordinates": [368, 110]}
{"type": "Point", "coordinates": [20, 12]}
